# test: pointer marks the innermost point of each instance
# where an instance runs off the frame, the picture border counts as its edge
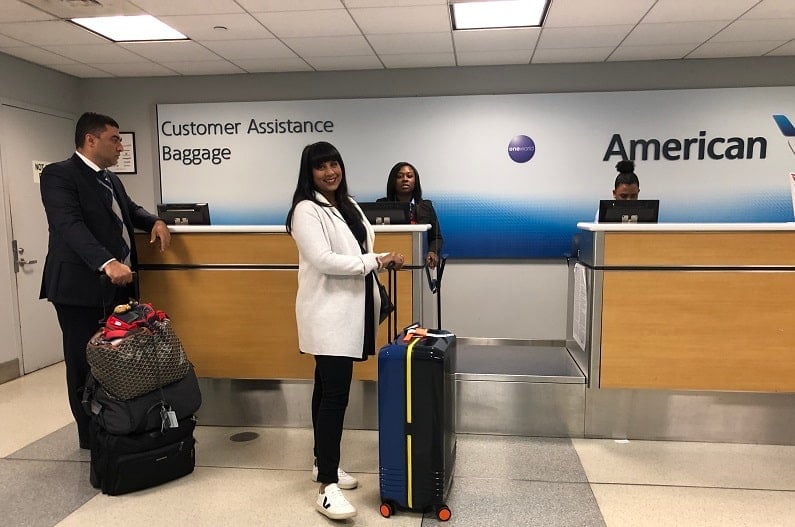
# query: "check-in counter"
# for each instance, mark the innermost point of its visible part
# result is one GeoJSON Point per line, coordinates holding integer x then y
{"type": "Point", "coordinates": [230, 291]}
{"type": "Point", "coordinates": [686, 330]}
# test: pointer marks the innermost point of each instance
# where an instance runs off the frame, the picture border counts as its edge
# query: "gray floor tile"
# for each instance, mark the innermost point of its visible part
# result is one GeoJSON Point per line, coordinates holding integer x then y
{"type": "Point", "coordinates": [41, 493]}
{"type": "Point", "coordinates": [522, 458]}
{"type": "Point", "coordinates": [60, 445]}
{"type": "Point", "coordinates": [478, 502]}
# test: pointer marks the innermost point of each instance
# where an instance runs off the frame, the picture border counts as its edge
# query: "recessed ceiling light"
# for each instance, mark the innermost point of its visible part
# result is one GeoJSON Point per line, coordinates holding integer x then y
{"type": "Point", "coordinates": [498, 14]}
{"type": "Point", "coordinates": [130, 28]}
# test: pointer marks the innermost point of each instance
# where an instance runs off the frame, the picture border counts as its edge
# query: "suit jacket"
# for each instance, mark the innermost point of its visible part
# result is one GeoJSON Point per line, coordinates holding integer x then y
{"type": "Point", "coordinates": [83, 232]}
{"type": "Point", "coordinates": [425, 213]}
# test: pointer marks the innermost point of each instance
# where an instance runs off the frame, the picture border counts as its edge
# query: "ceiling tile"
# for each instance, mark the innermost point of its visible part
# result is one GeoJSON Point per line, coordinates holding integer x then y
{"type": "Point", "coordinates": [209, 67]}
{"type": "Point", "coordinates": [268, 65]}
{"type": "Point", "coordinates": [750, 30]}
{"type": "Point", "coordinates": [260, 6]}
{"type": "Point", "coordinates": [485, 58]}
{"type": "Point", "coordinates": [545, 56]}
{"type": "Point", "coordinates": [329, 46]}
{"type": "Point", "coordinates": [770, 9]}
{"type": "Point", "coordinates": [414, 19]}
{"type": "Point", "coordinates": [8, 42]}
{"type": "Point", "coordinates": [673, 33]}
{"type": "Point", "coordinates": [294, 24]}
{"type": "Point", "coordinates": [786, 49]}
{"type": "Point", "coordinates": [38, 55]}
{"type": "Point", "coordinates": [65, 9]}
{"type": "Point", "coordinates": [496, 39]}
{"type": "Point", "coordinates": [578, 13]}
{"type": "Point", "coordinates": [418, 60]}
{"type": "Point", "coordinates": [194, 7]}
{"type": "Point", "coordinates": [734, 49]}
{"type": "Point", "coordinates": [14, 11]}
{"type": "Point", "coordinates": [392, 3]}
{"type": "Point", "coordinates": [135, 69]}
{"type": "Point", "coordinates": [345, 63]}
{"type": "Point", "coordinates": [682, 11]}
{"type": "Point", "coordinates": [250, 49]}
{"type": "Point", "coordinates": [397, 44]}
{"type": "Point", "coordinates": [181, 51]}
{"type": "Point", "coordinates": [50, 33]}
{"type": "Point", "coordinates": [202, 27]}
{"type": "Point", "coordinates": [84, 71]}
{"type": "Point", "coordinates": [90, 53]}
{"type": "Point", "coordinates": [583, 37]}
{"type": "Point", "coordinates": [672, 51]}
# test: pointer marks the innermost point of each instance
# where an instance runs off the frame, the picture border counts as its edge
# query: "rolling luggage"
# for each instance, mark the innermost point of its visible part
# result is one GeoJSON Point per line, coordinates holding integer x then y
{"type": "Point", "coordinates": [126, 463]}
{"type": "Point", "coordinates": [141, 395]}
{"type": "Point", "coordinates": [416, 423]}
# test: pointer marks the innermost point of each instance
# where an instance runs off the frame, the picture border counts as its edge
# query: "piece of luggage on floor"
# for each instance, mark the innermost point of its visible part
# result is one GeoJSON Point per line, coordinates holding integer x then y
{"type": "Point", "coordinates": [141, 414]}
{"type": "Point", "coordinates": [416, 423]}
{"type": "Point", "coordinates": [126, 463]}
{"type": "Point", "coordinates": [141, 395]}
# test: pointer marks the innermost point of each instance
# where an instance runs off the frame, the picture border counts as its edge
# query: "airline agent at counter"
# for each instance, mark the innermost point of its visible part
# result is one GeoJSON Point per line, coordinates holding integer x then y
{"type": "Point", "coordinates": [403, 184]}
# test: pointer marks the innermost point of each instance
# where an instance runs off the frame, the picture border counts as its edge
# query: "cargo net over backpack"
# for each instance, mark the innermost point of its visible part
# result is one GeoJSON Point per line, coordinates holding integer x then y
{"type": "Point", "coordinates": [136, 352]}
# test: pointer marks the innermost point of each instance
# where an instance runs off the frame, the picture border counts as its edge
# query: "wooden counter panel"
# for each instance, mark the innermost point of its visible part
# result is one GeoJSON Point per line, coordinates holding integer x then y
{"type": "Point", "coordinates": [673, 330]}
{"type": "Point", "coordinates": [220, 248]}
{"type": "Point", "coordinates": [699, 248]}
{"type": "Point", "coordinates": [240, 324]}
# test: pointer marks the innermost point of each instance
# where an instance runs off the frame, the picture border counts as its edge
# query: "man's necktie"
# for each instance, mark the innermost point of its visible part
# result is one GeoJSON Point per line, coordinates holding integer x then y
{"type": "Point", "coordinates": [110, 199]}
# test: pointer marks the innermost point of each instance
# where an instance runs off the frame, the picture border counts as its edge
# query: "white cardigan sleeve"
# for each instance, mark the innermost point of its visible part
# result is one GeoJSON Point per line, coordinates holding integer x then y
{"type": "Point", "coordinates": [326, 242]}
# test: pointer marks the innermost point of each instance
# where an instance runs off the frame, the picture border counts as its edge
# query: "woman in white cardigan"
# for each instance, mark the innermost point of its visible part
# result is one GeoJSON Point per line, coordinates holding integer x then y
{"type": "Point", "coordinates": [336, 307]}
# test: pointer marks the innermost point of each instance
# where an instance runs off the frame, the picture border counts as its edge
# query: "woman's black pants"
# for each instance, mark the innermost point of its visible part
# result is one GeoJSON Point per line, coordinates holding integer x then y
{"type": "Point", "coordinates": [329, 401]}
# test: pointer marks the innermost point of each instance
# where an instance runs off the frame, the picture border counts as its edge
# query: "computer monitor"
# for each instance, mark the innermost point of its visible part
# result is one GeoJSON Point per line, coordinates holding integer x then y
{"type": "Point", "coordinates": [184, 213]}
{"type": "Point", "coordinates": [386, 212]}
{"type": "Point", "coordinates": [629, 210]}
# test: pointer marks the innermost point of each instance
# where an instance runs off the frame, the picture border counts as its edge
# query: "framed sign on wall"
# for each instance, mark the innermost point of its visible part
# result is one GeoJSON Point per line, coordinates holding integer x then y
{"type": "Point", "coordinates": [126, 163]}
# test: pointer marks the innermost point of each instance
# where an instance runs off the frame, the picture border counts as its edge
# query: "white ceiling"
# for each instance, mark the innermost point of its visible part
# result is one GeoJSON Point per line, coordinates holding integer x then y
{"type": "Point", "coordinates": [316, 35]}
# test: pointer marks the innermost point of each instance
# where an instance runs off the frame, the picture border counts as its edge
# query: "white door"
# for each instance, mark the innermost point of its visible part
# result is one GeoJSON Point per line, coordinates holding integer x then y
{"type": "Point", "coordinates": [29, 137]}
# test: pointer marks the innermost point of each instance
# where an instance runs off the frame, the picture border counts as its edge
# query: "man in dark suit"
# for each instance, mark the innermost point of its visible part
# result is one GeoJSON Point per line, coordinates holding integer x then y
{"type": "Point", "coordinates": [91, 220]}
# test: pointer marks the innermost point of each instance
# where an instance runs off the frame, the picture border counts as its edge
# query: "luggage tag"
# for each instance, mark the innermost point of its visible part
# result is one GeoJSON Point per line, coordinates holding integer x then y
{"type": "Point", "coordinates": [168, 417]}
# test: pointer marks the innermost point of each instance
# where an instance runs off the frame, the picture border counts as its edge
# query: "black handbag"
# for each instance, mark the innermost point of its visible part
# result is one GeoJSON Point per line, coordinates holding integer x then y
{"type": "Point", "coordinates": [387, 307]}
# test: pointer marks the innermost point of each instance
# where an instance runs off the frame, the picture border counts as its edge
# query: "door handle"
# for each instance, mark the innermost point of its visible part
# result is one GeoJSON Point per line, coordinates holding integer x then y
{"type": "Point", "coordinates": [19, 261]}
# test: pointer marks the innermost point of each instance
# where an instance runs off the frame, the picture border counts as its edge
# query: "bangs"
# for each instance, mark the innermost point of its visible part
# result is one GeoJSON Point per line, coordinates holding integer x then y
{"type": "Point", "coordinates": [321, 152]}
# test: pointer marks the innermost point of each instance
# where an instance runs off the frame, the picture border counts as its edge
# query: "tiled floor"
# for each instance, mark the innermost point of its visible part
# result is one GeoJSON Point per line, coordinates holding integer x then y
{"type": "Point", "coordinates": [499, 481]}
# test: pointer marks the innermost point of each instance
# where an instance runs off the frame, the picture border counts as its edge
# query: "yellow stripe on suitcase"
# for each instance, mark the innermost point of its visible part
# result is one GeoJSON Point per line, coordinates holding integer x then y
{"type": "Point", "coordinates": [409, 471]}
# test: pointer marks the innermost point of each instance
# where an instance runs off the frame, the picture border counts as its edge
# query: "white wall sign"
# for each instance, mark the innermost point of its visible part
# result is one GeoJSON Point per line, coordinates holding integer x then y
{"type": "Point", "coordinates": [510, 175]}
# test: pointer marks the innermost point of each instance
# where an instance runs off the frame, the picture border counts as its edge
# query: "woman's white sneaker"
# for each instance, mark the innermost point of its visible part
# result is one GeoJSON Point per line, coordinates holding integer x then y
{"type": "Point", "coordinates": [344, 480]}
{"type": "Point", "coordinates": [333, 504]}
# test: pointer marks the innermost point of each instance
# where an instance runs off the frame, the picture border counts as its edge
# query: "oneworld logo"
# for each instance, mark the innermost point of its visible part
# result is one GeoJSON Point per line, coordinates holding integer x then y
{"type": "Point", "coordinates": [521, 149]}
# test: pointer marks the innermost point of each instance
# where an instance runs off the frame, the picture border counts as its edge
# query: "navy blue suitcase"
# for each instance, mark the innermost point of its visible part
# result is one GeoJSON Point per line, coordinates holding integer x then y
{"type": "Point", "coordinates": [416, 424]}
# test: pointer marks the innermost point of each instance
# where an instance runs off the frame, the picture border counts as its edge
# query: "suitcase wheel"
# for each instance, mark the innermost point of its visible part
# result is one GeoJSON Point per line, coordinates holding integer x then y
{"type": "Point", "coordinates": [443, 513]}
{"type": "Point", "coordinates": [387, 510]}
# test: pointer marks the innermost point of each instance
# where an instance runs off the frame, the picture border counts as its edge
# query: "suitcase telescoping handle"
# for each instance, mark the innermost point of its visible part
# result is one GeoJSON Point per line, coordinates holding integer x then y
{"type": "Point", "coordinates": [436, 288]}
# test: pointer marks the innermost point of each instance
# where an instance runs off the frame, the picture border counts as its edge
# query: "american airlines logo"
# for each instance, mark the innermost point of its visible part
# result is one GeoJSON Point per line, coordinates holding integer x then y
{"type": "Point", "coordinates": [787, 129]}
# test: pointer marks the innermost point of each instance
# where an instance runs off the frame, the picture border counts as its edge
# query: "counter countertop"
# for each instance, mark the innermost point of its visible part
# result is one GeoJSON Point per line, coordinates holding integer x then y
{"type": "Point", "coordinates": [685, 227]}
{"type": "Point", "coordinates": [280, 228]}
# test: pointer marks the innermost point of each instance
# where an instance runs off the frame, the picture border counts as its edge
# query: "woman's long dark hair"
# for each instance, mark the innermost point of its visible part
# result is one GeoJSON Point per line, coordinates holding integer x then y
{"type": "Point", "coordinates": [314, 156]}
{"type": "Point", "coordinates": [391, 194]}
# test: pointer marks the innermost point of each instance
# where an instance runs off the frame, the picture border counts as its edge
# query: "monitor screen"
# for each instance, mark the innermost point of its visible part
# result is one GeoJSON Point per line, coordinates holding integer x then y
{"type": "Point", "coordinates": [386, 212]}
{"type": "Point", "coordinates": [629, 211]}
{"type": "Point", "coordinates": [184, 213]}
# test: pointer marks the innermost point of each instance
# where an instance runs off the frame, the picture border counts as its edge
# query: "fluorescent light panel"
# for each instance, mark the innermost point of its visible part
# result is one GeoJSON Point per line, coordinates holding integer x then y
{"type": "Point", "coordinates": [502, 13]}
{"type": "Point", "coordinates": [130, 28]}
